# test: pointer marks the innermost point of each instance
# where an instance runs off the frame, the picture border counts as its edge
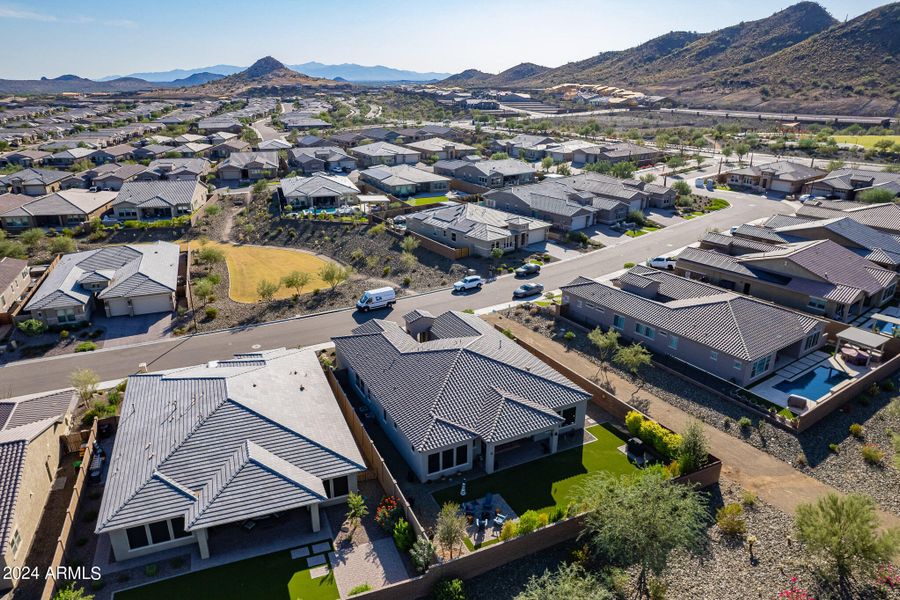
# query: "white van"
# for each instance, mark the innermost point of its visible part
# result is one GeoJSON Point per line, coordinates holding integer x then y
{"type": "Point", "coordinates": [379, 298]}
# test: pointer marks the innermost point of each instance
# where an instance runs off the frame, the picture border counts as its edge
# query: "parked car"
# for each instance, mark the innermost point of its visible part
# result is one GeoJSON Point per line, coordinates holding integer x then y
{"type": "Point", "coordinates": [528, 289]}
{"type": "Point", "coordinates": [110, 220]}
{"type": "Point", "coordinates": [377, 298]}
{"type": "Point", "coordinates": [666, 263]}
{"type": "Point", "coordinates": [699, 182]}
{"type": "Point", "coordinates": [711, 185]}
{"type": "Point", "coordinates": [528, 269]}
{"type": "Point", "coordinates": [470, 282]}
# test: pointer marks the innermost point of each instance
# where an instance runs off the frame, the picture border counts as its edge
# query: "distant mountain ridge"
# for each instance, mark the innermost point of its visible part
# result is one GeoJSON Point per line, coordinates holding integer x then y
{"type": "Point", "coordinates": [797, 58]}
{"type": "Point", "coordinates": [344, 71]}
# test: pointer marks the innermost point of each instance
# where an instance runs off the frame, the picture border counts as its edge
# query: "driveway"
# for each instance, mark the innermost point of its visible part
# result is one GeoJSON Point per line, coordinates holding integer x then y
{"type": "Point", "coordinates": [555, 250]}
{"type": "Point", "coordinates": [123, 331]}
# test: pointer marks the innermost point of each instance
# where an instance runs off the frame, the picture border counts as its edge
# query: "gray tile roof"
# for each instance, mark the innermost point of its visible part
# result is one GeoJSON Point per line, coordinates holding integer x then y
{"type": "Point", "coordinates": [877, 246]}
{"type": "Point", "coordinates": [267, 159]}
{"type": "Point", "coordinates": [477, 222]}
{"type": "Point", "coordinates": [849, 179]}
{"type": "Point", "coordinates": [782, 169]}
{"type": "Point", "coordinates": [64, 202]}
{"type": "Point", "coordinates": [21, 420]}
{"type": "Point", "coordinates": [225, 441]}
{"type": "Point", "coordinates": [880, 216]}
{"type": "Point", "coordinates": [10, 270]}
{"type": "Point", "coordinates": [133, 270]}
{"type": "Point", "coordinates": [158, 193]}
{"type": "Point", "coordinates": [743, 327]}
{"type": "Point", "coordinates": [469, 381]}
{"type": "Point", "coordinates": [436, 144]}
{"type": "Point", "coordinates": [401, 175]}
{"type": "Point", "coordinates": [178, 166]}
{"type": "Point", "coordinates": [383, 149]}
{"type": "Point", "coordinates": [35, 176]}
{"type": "Point", "coordinates": [316, 186]}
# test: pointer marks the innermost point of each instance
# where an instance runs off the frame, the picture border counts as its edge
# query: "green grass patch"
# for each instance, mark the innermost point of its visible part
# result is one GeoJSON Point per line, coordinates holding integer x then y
{"type": "Point", "coordinates": [274, 576]}
{"type": "Point", "coordinates": [551, 481]}
{"type": "Point", "coordinates": [717, 204]}
{"type": "Point", "coordinates": [425, 201]}
{"type": "Point", "coordinates": [636, 232]}
{"type": "Point", "coordinates": [473, 547]}
{"type": "Point", "coordinates": [866, 141]}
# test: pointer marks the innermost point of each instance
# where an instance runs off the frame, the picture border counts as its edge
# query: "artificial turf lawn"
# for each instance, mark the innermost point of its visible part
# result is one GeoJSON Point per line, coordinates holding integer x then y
{"type": "Point", "coordinates": [425, 201]}
{"type": "Point", "coordinates": [550, 481]}
{"type": "Point", "coordinates": [273, 576]}
{"type": "Point", "coordinates": [866, 141]}
{"type": "Point", "coordinates": [248, 265]}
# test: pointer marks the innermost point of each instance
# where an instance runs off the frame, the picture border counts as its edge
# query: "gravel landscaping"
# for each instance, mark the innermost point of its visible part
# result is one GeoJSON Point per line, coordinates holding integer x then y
{"type": "Point", "coordinates": [809, 451]}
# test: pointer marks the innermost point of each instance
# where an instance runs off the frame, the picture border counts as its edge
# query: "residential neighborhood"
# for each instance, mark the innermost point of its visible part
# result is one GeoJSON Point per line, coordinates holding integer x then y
{"type": "Point", "coordinates": [609, 315]}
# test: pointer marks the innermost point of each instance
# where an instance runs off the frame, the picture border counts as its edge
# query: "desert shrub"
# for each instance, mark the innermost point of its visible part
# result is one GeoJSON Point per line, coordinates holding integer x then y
{"type": "Point", "coordinates": [510, 530]}
{"type": "Point", "coordinates": [528, 522]}
{"type": "Point", "coordinates": [748, 498]}
{"type": "Point", "coordinates": [872, 454]}
{"type": "Point", "coordinates": [745, 422]}
{"type": "Point", "coordinates": [421, 554]}
{"type": "Point", "coordinates": [211, 313]}
{"type": "Point", "coordinates": [857, 430]}
{"type": "Point", "coordinates": [449, 589]}
{"type": "Point", "coordinates": [834, 448]}
{"type": "Point", "coordinates": [663, 441]}
{"type": "Point", "coordinates": [730, 519]}
{"type": "Point", "coordinates": [363, 587]}
{"type": "Point", "coordinates": [628, 265]}
{"type": "Point", "coordinates": [32, 327]}
{"type": "Point", "coordinates": [86, 347]}
{"type": "Point", "coordinates": [403, 534]}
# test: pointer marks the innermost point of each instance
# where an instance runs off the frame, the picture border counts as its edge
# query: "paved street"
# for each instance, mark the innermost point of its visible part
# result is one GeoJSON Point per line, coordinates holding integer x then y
{"type": "Point", "coordinates": [47, 374]}
{"type": "Point", "coordinates": [264, 129]}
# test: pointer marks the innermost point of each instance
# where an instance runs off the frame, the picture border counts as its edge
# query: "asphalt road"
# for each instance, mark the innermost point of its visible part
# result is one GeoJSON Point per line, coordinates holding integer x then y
{"type": "Point", "coordinates": [25, 377]}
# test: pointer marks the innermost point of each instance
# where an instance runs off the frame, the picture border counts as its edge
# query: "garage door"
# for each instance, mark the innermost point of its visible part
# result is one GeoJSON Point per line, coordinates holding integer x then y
{"type": "Point", "coordinates": [781, 186]}
{"type": "Point", "coordinates": [144, 305]}
{"type": "Point", "coordinates": [579, 222]}
{"type": "Point", "coordinates": [118, 307]}
{"type": "Point", "coordinates": [536, 235]}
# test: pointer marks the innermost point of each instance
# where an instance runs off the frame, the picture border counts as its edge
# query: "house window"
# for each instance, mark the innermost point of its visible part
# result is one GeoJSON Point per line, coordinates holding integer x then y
{"type": "Point", "coordinates": [447, 459]}
{"type": "Point", "coordinates": [673, 342]}
{"type": "Point", "coordinates": [760, 366]}
{"type": "Point", "coordinates": [619, 322]}
{"type": "Point", "coordinates": [178, 528]}
{"type": "Point", "coordinates": [434, 463]}
{"type": "Point", "coordinates": [137, 537]}
{"type": "Point", "coordinates": [644, 330]}
{"type": "Point", "coordinates": [340, 486]}
{"type": "Point", "coordinates": [569, 415]}
{"type": "Point", "coordinates": [65, 315]}
{"type": "Point", "coordinates": [462, 455]}
{"type": "Point", "coordinates": [713, 355]}
{"type": "Point", "coordinates": [159, 532]}
{"type": "Point", "coordinates": [812, 341]}
{"type": "Point", "coordinates": [15, 542]}
{"type": "Point", "coordinates": [738, 365]}
{"type": "Point", "coordinates": [816, 303]}
{"type": "Point", "coordinates": [889, 292]}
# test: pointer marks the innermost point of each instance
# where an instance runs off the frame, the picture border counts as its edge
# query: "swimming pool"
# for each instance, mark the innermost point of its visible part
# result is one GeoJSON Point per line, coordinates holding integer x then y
{"type": "Point", "coordinates": [886, 328]}
{"type": "Point", "coordinates": [814, 384]}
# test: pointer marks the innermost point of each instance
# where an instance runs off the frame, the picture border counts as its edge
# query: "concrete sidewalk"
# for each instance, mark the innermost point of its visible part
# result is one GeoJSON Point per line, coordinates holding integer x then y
{"type": "Point", "coordinates": [770, 478]}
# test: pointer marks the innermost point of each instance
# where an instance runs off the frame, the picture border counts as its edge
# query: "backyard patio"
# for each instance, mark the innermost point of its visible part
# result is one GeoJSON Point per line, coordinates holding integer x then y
{"type": "Point", "coordinates": [547, 483]}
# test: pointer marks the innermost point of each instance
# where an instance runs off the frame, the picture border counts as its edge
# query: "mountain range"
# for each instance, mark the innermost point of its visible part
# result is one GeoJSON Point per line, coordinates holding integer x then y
{"type": "Point", "coordinates": [799, 58]}
{"type": "Point", "coordinates": [344, 71]}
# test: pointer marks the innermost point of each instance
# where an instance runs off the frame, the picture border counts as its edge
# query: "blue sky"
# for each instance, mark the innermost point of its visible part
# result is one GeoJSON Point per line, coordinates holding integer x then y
{"type": "Point", "coordinates": [95, 38]}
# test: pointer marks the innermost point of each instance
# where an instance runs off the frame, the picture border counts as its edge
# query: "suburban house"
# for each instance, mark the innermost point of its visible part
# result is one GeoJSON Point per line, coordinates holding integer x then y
{"type": "Point", "coordinates": [846, 183]}
{"type": "Point", "coordinates": [26, 158]}
{"type": "Point", "coordinates": [779, 176]}
{"type": "Point", "coordinates": [30, 427]}
{"type": "Point", "coordinates": [227, 148]}
{"type": "Point", "coordinates": [818, 276]}
{"type": "Point", "coordinates": [274, 144]}
{"type": "Point", "coordinates": [220, 444]}
{"type": "Point", "coordinates": [249, 165]}
{"type": "Point", "coordinates": [130, 280]}
{"type": "Point", "coordinates": [451, 391]}
{"type": "Point", "coordinates": [220, 123]}
{"type": "Point", "coordinates": [66, 208]}
{"type": "Point", "coordinates": [404, 180]}
{"type": "Point", "coordinates": [175, 169]}
{"type": "Point", "coordinates": [192, 150]}
{"type": "Point", "coordinates": [532, 146]}
{"type": "Point", "coordinates": [883, 216]}
{"type": "Point", "coordinates": [487, 173]}
{"type": "Point", "coordinates": [151, 200]}
{"type": "Point", "coordinates": [302, 121]}
{"type": "Point", "coordinates": [113, 154]}
{"type": "Point", "coordinates": [873, 245]}
{"type": "Point", "coordinates": [313, 141]}
{"type": "Point", "coordinates": [346, 139]}
{"type": "Point", "coordinates": [320, 158]}
{"type": "Point", "coordinates": [34, 182]}
{"type": "Point", "coordinates": [150, 151]}
{"type": "Point", "coordinates": [441, 148]}
{"type": "Point", "coordinates": [220, 136]}
{"type": "Point", "coordinates": [478, 228]}
{"type": "Point", "coordinates": [564, 151]}
{"type": "Point", "coordinates": [318, 191]}
{"type": "Point", "coordinates": [384, 153]}
{"type": "Point", "coordinates": [70, 156]}
{"type": "Point", "coordinates": [112, 176]}
{"type": "Point", "coordinates": [14, 280]}
{"type": "Point", "coordinates": [579, 201]}
{"type": "Point", "coordinates": [616, 152]}
{"type": "Point", "coordinates": [734, 337]}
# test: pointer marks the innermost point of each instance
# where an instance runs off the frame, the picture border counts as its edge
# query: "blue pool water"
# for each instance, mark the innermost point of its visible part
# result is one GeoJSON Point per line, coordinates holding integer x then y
{"type": "Point", "coordinates": [886, 328]}
{"type": "Point", "coordinates": [815, 384]}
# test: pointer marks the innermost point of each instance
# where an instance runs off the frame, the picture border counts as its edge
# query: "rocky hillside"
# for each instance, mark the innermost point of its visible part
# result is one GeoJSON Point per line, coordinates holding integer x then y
{"type": "Point", "coordinates": [469, 77]}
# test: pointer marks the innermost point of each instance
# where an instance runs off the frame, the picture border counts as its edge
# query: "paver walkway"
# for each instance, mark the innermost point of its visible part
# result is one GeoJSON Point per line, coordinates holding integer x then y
{"type": "Point", "coordinates": [770, 478]}
{"type": "Point", "coordinates": [377, 564]}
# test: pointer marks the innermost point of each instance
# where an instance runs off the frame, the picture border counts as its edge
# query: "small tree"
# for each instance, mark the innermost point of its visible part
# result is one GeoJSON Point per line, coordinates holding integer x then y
{"type": "Point", "coordinates": [648, 177]}
{"type": "Point", "coordinates": [334, 274]}
{"type": "Point", "coordinates": [266, 289]}
{"type": "Point", "coordinates": [741, 150]}
{"type": "Point", "coordinates": [421, 554]}
{"type": "Point", "coordinates": [842, 532]}
{"type": "Point", "coordinates": [606, 343]}
{"type": "Point", "coordinates": [694, 449]}
{"type": "Point", "coordinates": [632, 358]}
{"type": "Point", "coordinates": [681, 187]}
{"type": "Point", "coordinates": [209, 255]}
{"type": "Point", "coordinates": [296, 280]}
{"type": "Point", "coordinates": [70, 592]}
{"type": "Point", "coordinates": [203, 289]}
{"type": "Point", "coordinates": [570, 581]}
{"type": "Point", "coordinates": [450, 527]}
{"type": "Point", "coordinates": [872, 196]}
{"type": "Point", "coordinates": [409, 244]}
{"type": "Point", "coordinates": [640, 520]}
{"type": "Point", "coordinates": [33, 237]}
{"type": "Point", "coordinates": [356, 510]}
{"type": "Point", "coordinates": [85, 382]}
{"type": "Point", "coordinates": [62, 245]}
{"type": "Point", "coordinates": [546, 163]}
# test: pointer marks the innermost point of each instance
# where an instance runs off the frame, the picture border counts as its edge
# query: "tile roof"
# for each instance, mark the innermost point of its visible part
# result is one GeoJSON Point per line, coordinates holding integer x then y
{"type": "Point", "coordinates": [35, 177]}
{"type": "Point", "coordinates": [436, 144]}
{"type": "Point", "coordinates": [401, 175]}
{"type": "Point", "coordinates": [739, 326]}
{"type": "Point", "coordinates": [267, 159]}
{"type": "Point", "coordinates": [469, 381]}
{"type": "Point", "coordinates": [884, 216]}
{"type": "Point", "coordinates": [10, 270]}
{"type": "Point", "coordinates": [225, 441]}
{"type": "Point", "coordinates": [158, 192]}
{"type": "Point", "coordinates": [318, 185]}
{"type": "Point", "coordinates": [474, 221]}
{"type": "Point", "coordinates": [383, 149]}
{"type": "Point", "coordinates": [782, 169]}
{"type": "Point", "coordinates": [63, 202]}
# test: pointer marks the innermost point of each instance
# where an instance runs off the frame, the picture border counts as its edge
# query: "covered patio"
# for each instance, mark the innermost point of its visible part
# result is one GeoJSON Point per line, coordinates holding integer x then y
{"type": "Point", "coordinates": [861, 347]}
